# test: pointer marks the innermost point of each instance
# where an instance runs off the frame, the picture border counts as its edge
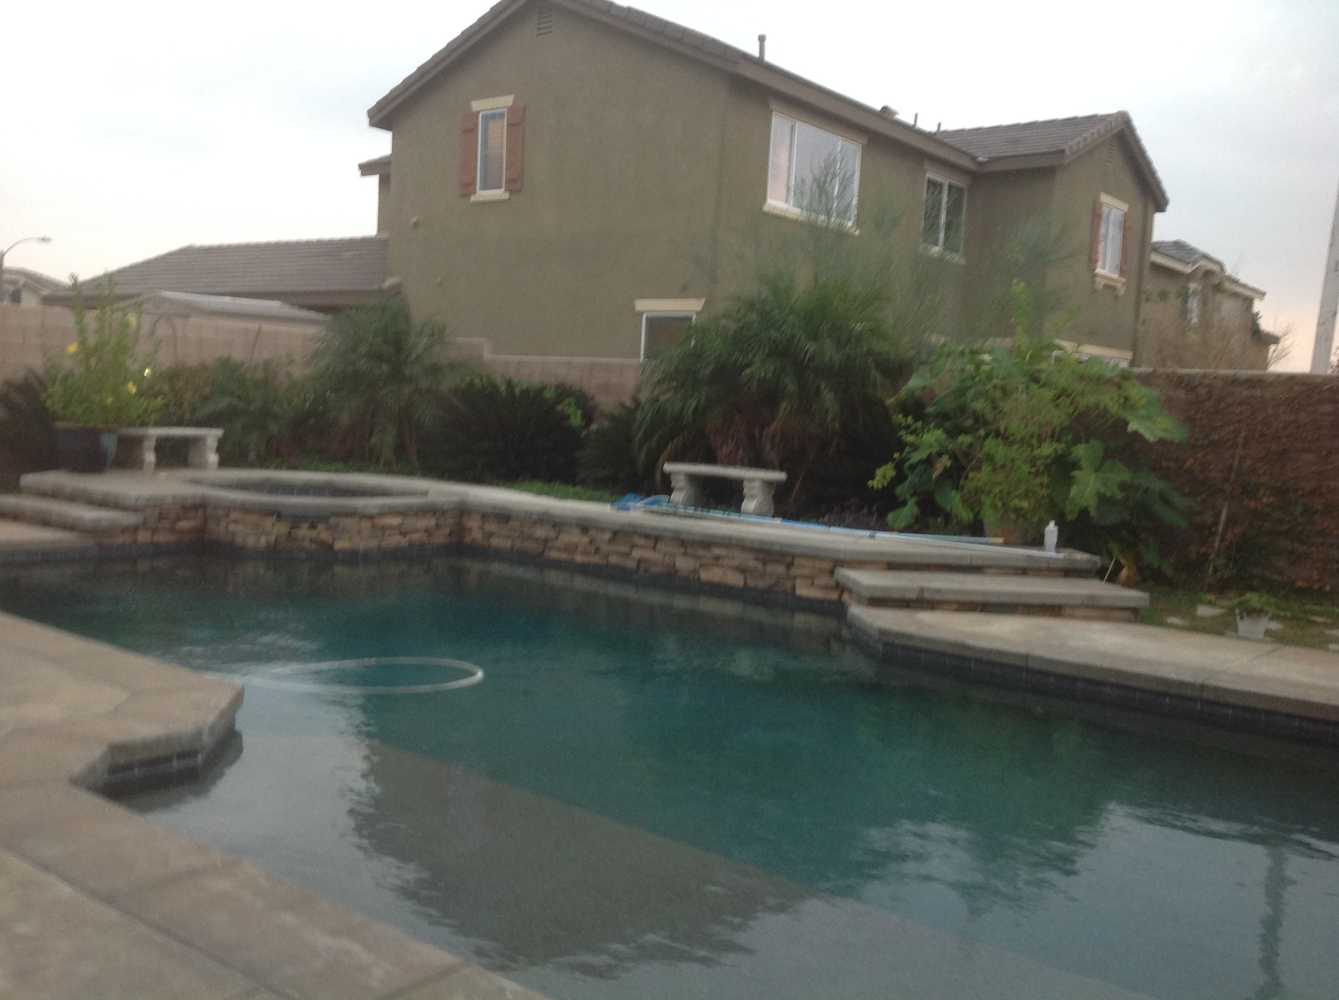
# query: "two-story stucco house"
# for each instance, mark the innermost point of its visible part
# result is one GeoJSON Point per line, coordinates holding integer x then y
{"type": "Point", "coordinates": [571, 181]}
{"type": "Point", "coordinates": [1196, 314]}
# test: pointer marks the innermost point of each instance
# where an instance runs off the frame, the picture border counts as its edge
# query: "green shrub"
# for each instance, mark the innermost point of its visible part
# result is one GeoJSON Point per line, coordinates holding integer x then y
{"type": "Point", "coordinates": [100, 380]}
{"type": "Point", "coordinates": [610, 457]}
{"type": "Point", "coordinates": [381, 376]}
{"type": "Point", "coordinates": [1013, 437]}
{"type": "Point", "coordinates": [779, 377]}
{"type": "Point", "coordinates": [263, 409]}
{"type": "Point", "coordinates": [27, 434]}
{"type": "Point", "coordinates": [498, 430]}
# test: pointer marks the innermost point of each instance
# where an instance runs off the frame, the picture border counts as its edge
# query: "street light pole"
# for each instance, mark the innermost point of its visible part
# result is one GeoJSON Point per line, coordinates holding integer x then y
{"type": "Point", "coordinates": [26, 239]}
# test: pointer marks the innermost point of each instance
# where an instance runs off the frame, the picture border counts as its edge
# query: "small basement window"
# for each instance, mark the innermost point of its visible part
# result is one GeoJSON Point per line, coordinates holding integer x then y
{"type": "Point", "coordinates": [662, 331]}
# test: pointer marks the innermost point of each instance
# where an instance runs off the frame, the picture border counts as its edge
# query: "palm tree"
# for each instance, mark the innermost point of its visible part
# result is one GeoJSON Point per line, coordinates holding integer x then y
{"type": "Point", "coordinates": [780, 375]}
{"type": "Point", "coordinates": [382, 374]}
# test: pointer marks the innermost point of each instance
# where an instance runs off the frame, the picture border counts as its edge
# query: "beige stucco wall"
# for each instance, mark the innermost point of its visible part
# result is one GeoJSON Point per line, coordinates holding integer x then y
{"type": "Point", "coordinates": [646, 176]}
{"type": "Point", "coordinates": [623, 142]}
{"type": "Point", "coordinates": [1224, 337]}
{"type": "Point", "coordinates": [29, 336]}
{"type": "Point", "coordinates": [1106, 316]}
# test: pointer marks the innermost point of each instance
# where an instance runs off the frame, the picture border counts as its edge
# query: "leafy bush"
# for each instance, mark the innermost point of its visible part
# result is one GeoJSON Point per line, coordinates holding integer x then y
{"type": "Point", "coordinates": [99, 382]}
{"type": "Point", "coordinates": [380, 376]}
{"type": "Point", "coordinates": [27, 435]}
{"type": "Point", "coordinates": [262, 408]}
{"type": "Point", "coordinates": [1015, 436]}
{"type": "Point", "coordinates": [497, 430]}
{"type": "Point", "coordinates": [610, 457]}
{"type": "Point", "coordinates": [778, 377]}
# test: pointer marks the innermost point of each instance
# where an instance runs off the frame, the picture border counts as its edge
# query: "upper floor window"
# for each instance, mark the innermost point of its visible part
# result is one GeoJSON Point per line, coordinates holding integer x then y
{"type": "Point", "coordinates": [1192, 305]}
{"type": "Point", "coordinates": [812, 172]}
{"type": "Point", "coordinates": [492, 151]}
{"type": "Point", "coordinates": [944, 222]}
{"type": "Point", "coordinates": [1109, 238]}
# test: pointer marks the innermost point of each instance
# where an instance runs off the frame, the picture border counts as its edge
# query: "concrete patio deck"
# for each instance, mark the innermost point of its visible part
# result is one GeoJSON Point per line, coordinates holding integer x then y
{"type": "Point", "coordinates": [96, 901]}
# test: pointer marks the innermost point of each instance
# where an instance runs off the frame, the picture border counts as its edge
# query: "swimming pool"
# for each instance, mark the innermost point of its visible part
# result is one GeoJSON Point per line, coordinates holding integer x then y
{"type": "Point", "coordinates": [689, 799]}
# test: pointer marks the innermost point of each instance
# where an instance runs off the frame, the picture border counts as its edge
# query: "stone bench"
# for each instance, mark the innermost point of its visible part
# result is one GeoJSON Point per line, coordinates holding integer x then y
{"type": "Point", "coordinates": [142, 443]}
{"type": "Point", "coordinates": [686, 480]}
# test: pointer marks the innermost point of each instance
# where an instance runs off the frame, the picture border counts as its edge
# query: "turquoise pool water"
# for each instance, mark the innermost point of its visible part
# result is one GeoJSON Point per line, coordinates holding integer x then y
{"type": "Point", "coordinates": [644, 801]}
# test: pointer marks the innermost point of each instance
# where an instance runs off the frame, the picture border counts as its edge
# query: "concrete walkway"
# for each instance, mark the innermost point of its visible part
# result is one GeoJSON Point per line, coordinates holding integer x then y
{"type": "Point", "coordinates": [97, 901]}
{"type": "Point", "coordinates": [1236, 673]}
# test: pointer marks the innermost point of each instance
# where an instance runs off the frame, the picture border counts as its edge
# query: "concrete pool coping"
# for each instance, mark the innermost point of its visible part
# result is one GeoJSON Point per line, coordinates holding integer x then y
{"type": "Point", "coordinates": [134, 490]}
{"type": "Point", "coordinates": [97, 901]}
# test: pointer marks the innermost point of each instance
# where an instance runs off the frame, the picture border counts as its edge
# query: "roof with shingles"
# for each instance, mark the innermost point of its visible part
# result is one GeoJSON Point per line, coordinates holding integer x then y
{"type": "Point", "coordinates": [42, 282]}
{"type": "Point", "coordinates": [276, 269]}
{"type": "Point", "coordinates": [1192, 257]}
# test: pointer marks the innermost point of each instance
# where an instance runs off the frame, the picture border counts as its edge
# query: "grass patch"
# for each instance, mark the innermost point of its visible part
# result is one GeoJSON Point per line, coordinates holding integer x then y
{"type": "Point", "coordinates": [563, 491]}
{"type": "Point", "coordinates": [1301, 620]}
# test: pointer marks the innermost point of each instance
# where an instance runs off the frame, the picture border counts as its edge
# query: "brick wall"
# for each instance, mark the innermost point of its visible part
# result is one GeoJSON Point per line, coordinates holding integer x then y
{"type": "Point", "coordinates": [1281, 430]}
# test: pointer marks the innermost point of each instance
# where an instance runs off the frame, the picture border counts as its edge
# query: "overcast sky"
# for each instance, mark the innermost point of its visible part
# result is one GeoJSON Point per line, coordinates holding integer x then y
{"type": "Point", "coordinates": [131, 128]}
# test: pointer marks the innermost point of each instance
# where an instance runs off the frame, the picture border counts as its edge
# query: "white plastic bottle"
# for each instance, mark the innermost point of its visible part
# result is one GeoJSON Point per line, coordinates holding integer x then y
{"type": "Point", "coordinates": [1052, 536]}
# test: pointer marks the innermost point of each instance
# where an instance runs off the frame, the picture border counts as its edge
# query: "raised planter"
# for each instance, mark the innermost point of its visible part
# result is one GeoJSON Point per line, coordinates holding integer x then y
{"type": "Point", "coordinates": [84, 449]}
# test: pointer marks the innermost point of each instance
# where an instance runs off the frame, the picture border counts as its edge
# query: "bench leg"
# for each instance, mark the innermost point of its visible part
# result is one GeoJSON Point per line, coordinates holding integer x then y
{"type": "Point", "coordinates": [204, 453]}
{"type": "Point", "coordinates": [141, 453]}
{"type": "Point", "coordinates": [687, 491]}
{"type": "Point", "coordinates": [757, 498]}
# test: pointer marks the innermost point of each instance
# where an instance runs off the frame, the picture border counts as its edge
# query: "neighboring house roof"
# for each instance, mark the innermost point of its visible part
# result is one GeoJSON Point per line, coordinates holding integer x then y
{"type": "Point", "coordinates": [308, 272]}
{"type": "Point", "coordinates": [745, 64]}
{"type": "Point", "coordinates": [376, 166]}
{"type": "Point", "coordinates": [44, 283]}
{"type": "Point", "coordinates": [191, 304]}
{"type": "Point", "coordinates": [1053, 141]}
{"type": "Point", "coordinates": [1186, 258]}
{"type": "Point", "coordinates": [687, 42]}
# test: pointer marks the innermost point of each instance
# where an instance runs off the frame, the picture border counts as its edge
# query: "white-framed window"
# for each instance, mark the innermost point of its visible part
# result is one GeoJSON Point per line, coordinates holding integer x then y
{"type": "Point", "coordinates": [944, 220]}
{"type": "Point", "coordinates": [812, 172]}
{"type": "Point", "coordinates": [1110, 236]}
{"type": "Point", "coordinates": [1192, 305]}
{"type": "Point", "coordinates": [664, 330]}
{"type": "Point", "coordinates": [491, 176]}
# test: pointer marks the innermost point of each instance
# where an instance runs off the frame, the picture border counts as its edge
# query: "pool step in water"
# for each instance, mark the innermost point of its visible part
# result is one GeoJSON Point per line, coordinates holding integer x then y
{"type": "Point", "coordinates": [1062, 596]}
{"type": "Point", "coordinates": [66, 513]}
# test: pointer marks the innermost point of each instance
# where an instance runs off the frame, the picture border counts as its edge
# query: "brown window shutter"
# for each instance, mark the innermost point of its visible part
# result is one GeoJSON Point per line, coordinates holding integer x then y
{"type": "Point", "coordinates": [515, 148]}
{"type": "Point", "coordinates": [1097, 233]}
{"type": "Point", "coordinates": [1125, 244]}
{"type": "Point", "coordinates": [469, 153]}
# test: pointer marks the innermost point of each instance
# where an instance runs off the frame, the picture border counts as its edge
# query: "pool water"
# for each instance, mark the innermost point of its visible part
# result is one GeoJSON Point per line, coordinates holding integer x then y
{"type": "Point", "coordinates": [648, 800]}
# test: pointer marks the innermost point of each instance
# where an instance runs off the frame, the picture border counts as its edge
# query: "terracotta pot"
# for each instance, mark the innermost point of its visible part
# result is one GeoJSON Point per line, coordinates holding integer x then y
{"type": "Point", "coordinates": [85, 449]}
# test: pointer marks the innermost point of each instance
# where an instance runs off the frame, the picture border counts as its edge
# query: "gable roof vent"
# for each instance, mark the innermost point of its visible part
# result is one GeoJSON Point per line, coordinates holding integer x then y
{"type": "Point", "coordinates": [544, 19]}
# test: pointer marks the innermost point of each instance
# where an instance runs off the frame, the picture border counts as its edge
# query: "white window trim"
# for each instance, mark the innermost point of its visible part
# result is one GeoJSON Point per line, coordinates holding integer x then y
{"type": "Point", "coordinates": [482, 193]}
{"type": "Point", "coordinates": [939, 250]}
{"type": "Point", "coordinates": [668, 305]}
{"type": "Point", "coordinates": [493, 103]}
{"type": "Point", "coordinates": [789, 211]}
{"type": "Point", "coordinates": [1105, 278]}
{"type": "Point", "coordinates": [678, 309]}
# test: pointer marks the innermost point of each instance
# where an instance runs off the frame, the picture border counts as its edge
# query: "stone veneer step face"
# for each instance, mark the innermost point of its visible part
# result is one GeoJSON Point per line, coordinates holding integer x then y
{"type": "Point", "coordinates": [67, 514]}
{"type": "Point", "coordinates": [985, 591]}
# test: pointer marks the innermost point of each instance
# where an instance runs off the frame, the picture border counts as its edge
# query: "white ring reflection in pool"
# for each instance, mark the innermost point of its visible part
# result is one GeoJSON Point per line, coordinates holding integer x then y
{"type": "Point", "coordinates": [273, 676]}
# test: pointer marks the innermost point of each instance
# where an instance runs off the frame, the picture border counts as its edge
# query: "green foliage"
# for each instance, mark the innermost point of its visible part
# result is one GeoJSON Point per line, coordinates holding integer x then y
{"type": "Point", "coordinates": [380, 376]}
{"type": "Point", "coordinates": [100, 381]}
{"type": "Point", "coordinates": [261, 407]}
{"type": "Point", "coordinates": [777, 377]}
{"type": "Point", "coordinates": [1016, 436]}
{"type": "Point", "coordinates": [499, 430]}
{"type": "Point", "coordinates": [27, 441]}
{"type": "Point", "coordinates": [610, 456]}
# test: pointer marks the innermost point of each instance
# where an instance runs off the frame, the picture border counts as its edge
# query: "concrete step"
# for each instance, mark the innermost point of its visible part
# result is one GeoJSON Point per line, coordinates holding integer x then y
{"type": "Point", "coordinates": [66, 514]}
{"type": "Point", "coordinates": [1065, 596]}
{"type": "Point", "coordinates": [20, 537]}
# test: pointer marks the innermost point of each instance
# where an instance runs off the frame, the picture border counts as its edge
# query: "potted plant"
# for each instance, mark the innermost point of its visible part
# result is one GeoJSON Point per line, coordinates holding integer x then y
{"type": "Point", "coordinates": [97, 387]}
{"type": "Point", "coordinates": [1254, 614]}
